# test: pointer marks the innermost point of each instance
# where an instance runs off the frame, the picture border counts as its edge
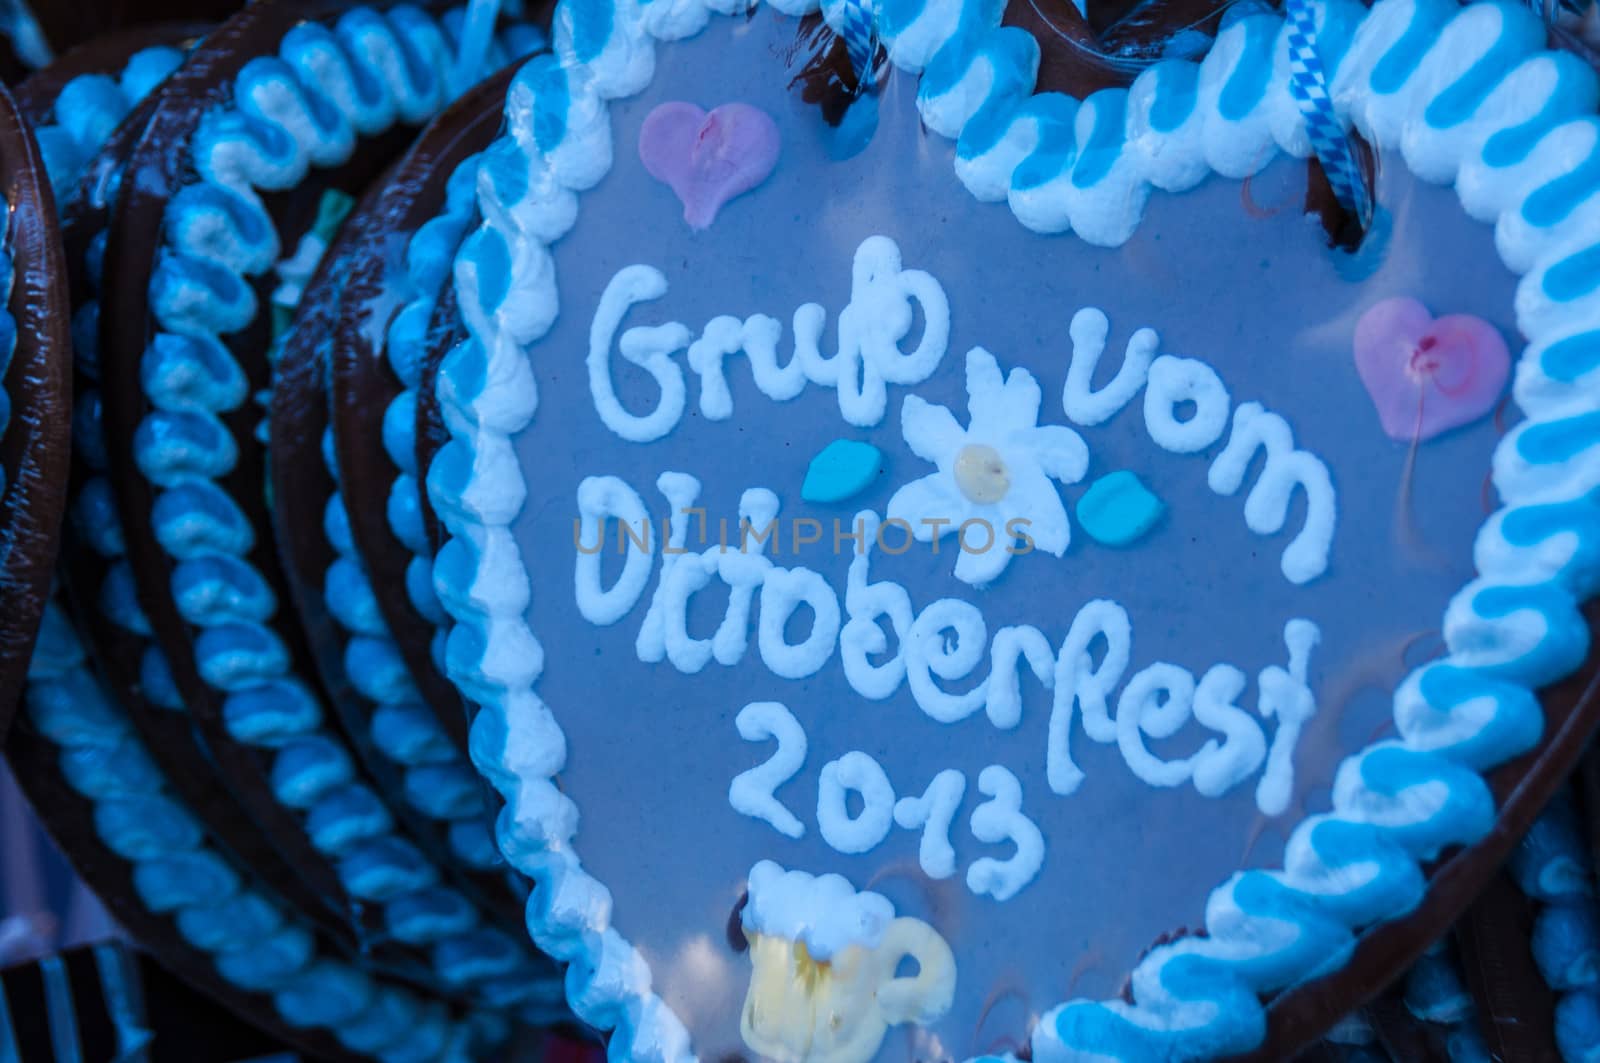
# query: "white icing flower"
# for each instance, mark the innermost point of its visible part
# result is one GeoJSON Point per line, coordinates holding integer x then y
{"type": "Point", "coordinates": [996, 472]}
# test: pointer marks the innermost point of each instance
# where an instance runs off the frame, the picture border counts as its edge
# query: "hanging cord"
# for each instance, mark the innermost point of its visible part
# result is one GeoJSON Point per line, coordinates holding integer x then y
{"type": "Point", "coordinates": [860, 31]}
{"type": "Point", "coordinates": [1308, 84]}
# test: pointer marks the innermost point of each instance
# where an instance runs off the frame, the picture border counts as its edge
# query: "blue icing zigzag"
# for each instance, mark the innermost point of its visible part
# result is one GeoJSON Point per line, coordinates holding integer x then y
{"type": "Point", "coordinates": [293, 111]}
{"type": "Point", "coordinates": [1465, 95]}
{"type": "Point", "coordinates": [428, 260]}
{"type": "Point", "coordinates": [176, 872]}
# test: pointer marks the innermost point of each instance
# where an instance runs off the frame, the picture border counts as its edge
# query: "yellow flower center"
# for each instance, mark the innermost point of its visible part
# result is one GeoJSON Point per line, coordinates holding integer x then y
{"type": "Point", "coordinates": [981, 474]}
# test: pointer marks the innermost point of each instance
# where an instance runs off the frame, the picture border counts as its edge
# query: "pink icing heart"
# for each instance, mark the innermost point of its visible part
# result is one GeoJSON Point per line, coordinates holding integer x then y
{"type": "Point", "coordinates": [708, 159]}
{"type": "Point", "coordinates": [1428, 376]}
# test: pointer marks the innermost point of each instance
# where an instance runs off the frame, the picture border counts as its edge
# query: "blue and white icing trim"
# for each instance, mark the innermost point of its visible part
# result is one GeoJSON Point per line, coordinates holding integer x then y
{"type": "Point", "coordinates": [427, 270]}
{"type": "Point", "coordinates": [307, 106]}
{"type": "Point", "coordinates": [178, 873]}
{"type": "Point", "coordinates": [1465, 95]}
{"type": "Point", "coordinates": [89, 107]}
{"type": "Point", "coordinates": [437, 781]}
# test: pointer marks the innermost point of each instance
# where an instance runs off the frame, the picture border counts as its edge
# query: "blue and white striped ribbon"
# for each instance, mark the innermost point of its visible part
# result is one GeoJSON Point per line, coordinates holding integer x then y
{"type": "Point", "coordinates": [861, 40]}
{"type": "Point", "coordinates": [1308, 83]}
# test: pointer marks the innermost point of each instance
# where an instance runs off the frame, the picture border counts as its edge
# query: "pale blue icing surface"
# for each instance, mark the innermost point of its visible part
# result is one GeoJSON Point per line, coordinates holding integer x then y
{"type": "Point", "coordinates": [301, 108]}
{"type": "Point", "coordinates": [1477, 106]}
{"type": "Point", "coordinates": [176, 871]}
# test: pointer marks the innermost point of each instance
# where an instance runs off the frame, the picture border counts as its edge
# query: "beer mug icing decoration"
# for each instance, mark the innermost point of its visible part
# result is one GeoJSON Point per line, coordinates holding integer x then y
{"type": "Point", "coordinates": [946, 567]}
{"type": "Point", "coordinates": [824, 962]}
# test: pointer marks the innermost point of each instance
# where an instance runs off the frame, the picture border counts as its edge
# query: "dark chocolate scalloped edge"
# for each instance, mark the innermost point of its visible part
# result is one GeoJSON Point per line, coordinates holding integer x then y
{"type": "Point", "coordinates": [364, 386]}
{"type": "Point", "coordinates": [156, 163]}
{"type": "Point", "coordinates": [34, 447]}
{"type": "Point", "coordinates": [333, 305]}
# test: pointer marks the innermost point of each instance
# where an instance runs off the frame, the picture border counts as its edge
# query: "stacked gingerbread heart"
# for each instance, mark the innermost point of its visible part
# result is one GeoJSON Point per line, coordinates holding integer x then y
{"type": "Point", "coordinates": [615, 517]}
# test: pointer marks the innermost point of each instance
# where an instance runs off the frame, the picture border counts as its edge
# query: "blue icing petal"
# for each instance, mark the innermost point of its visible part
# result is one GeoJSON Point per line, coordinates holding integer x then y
{"type": "Point", "coordinates": [1118, 510]}
{"type": "Point", "coordinates": [349, 598]}
{"type": "Point", "coordinates": [1552, 862]}
{"type": "Point", "coordinates": [473, 841]}
{"type": "Point", "coordinates": [94, 516]}
{"type": "Point", "coordinates": [192, 373]}
{"type": "Point", "coordinates": [88, 435]}
{"type": "Point", "coordinates": [842, 470]}
{"type": "Point", "coordinates": [190, 294]}
{"type": "Point", "coordinates": [104, 771]}
{"type": "Point", "coordinates": [378, 671]}
{"type": "Point", "coordinates": [1522, 31]}
{"type": "Point", "coordinates": [1400, 62]}
{"type": "Point", "coordinates": [1578, 1026]}
{"type": "Point", "coordinates": [419, 588]}
{"type": "Point", "coordinates": [1434, 991]}
{"type": "Point", "coordinates": [155, 677]}
{"type": "Point", "coordinates": [237, 656]}
{"type": "Point", "coordinates": [399, 431]}
{"type": "Point", "coordinates": [245, 916]}
{"type": "Point", "coordinates": [429, 915]}
{"type": "Point", "coordinates": [384, 869]}
{"type": "Point", "coordinates": [1247, 86]}
{"type": "Point", "coordinates": [307, 768]}
{"type": "Point", "coordinates": [410, 734]}
{"type": "Point", "coordinates": [481, 954]}
{"type": "Point", "coordinates": [1575, 97]}
{"type": "Point", "coordinates": [217, 588]}
{"type": "Point", "coordinates": [271, 712]}
{"type": "Point", "coordinates": [73, 712]}
{"type": "Point", "coordinates": [324, 994]}
{"type": "Point", "coordinates": [195, 518]}
{"type": "Point", "coordinates": [404, 511]}
{"type": "Point", "coordinates": [182, 880]}
{"type": "Point", "coordinates": [336, 526]}
{"type": "Point", "coordinates": [148, 68]}
{"type": "Point", "coordinates": [269, 961]}
{"type": "Point", "coordinates": [119, 599]}
{"type": "Point", "coordinates": [445, 791]}
{"type": "Point", "coordinates": [346, 816]}
{"type": "Point", "coordinates": [1103, 147]}
{"type": "Point", "coordinates": [382, 1023]}
{"type": "Point", "coordinates": [1574, 276]}
{"type": "Point", "coordinates": [1566, 944]}
{"type": "Point", "coordinates": [145, 827]}
{"type": "Point", "coordinates": [219, 225]}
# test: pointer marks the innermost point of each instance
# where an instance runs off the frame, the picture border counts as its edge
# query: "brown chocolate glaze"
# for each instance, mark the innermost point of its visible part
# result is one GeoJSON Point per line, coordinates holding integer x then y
{"type": "Point", "coordinates": [1586, 789]}
{"type": "Point", "coordinates": [445, 330]}
{"type": "Point", "coordinates": [343, 289]}
{"type": "Point", "coordinates": [364, 384]}
{"type": "Point", "coordinates": [1401, 1034]}
{"type": "Point", "coordinates": [104, 55]}
{"type": "Point", "coordinates": [173, 743]}
{"type": "Point", "coordinates": [1516, 1009]}
{"type": "Point", "coordinates": [1072, 59]}
{"type": "Point", "coordinates": [33, 449]}
{"type": "Point", "coordinates": [157, 166]}
{"type": "Point", "coordinates": [1143, 31]}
